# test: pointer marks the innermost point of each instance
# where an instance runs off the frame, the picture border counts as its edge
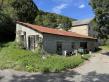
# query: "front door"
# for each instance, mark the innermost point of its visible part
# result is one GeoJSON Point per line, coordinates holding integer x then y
{"type": "Point", "coordinates": [59, 47]}
{"type": "Point", "coordinates": [23, 40]}
{"type": "Point", "coordinates": [31, 42]}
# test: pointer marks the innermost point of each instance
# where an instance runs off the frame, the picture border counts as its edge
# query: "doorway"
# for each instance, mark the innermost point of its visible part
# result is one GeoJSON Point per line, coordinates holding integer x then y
{"type": "Point", "coordinates": [31, 42]}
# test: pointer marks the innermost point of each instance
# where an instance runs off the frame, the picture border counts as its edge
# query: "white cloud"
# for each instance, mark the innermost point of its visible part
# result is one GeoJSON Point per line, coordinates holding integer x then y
{"type": "Point", "coordinates": [81, 6]}
{"type": "Point", "coordinates": [58, 9]}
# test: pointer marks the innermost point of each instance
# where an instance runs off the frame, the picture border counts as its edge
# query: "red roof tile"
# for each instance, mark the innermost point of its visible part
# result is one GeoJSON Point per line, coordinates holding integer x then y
{"type": "Point", "coordinates": [54, 31]}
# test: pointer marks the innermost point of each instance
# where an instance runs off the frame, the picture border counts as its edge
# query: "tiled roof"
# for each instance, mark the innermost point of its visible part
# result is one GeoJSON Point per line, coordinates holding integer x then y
{"type": "Point", "coordinates": [54, 31]}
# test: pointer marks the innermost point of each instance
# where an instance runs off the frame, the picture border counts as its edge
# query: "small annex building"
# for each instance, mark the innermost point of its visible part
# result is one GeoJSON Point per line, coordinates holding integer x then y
{"type": "Point", "coordinates": [52, 40]}
{"type": "Point", "coordinates": [83, 27]}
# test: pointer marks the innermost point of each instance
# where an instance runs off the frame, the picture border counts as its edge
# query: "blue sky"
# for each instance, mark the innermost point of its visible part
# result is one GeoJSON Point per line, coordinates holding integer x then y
{"type": "Point", "coordinates": [78, 9]}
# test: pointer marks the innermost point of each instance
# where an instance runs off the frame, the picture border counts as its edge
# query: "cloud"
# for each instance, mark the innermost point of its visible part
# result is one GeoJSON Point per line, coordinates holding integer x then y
{"type": "Point", "coordinates": [58, 9]}
{"type": "Point", "coordinates": [81, 6]}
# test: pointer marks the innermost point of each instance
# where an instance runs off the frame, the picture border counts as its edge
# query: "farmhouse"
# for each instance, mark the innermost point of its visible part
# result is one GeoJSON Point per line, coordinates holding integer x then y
{"type": "Point", "coordinates": [52, 40]}
{"type": "Point", "coordinates": [83, 27]}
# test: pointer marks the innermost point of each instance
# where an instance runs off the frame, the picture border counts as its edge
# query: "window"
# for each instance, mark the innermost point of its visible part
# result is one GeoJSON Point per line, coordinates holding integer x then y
{"type": "Point", "coordinates": [22, 38]}
{"type": "Point", "coordinates": [37, 38]}
{"type": "Point", "coordinates": [59, 47]}
{"type": "Point", "coordinates": [73, 45]}
{"type": "Point", "coordinates": [83, 45]}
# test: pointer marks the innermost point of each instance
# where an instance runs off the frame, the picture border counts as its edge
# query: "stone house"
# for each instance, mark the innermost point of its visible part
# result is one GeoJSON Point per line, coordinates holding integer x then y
{"type": "Point", "coordinates": [52, 40]}
{"type": "Point", "coordinates": [83, 27]}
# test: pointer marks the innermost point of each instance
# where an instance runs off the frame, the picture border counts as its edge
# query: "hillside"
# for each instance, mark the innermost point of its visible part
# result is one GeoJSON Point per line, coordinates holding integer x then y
{"type": "Point", "coordinates": [53, 20]}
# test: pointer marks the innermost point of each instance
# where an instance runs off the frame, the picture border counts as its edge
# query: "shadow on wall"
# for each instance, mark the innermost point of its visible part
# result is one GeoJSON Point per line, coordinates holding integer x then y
{"type": "Point", "coordinates": [69, 76]}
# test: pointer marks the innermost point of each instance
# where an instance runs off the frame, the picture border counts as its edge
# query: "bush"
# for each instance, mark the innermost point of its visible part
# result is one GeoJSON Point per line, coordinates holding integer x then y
{"type": "Point", "coordinates": [105, 47]}
{"type": "Point", "coordinates": [86, 56]}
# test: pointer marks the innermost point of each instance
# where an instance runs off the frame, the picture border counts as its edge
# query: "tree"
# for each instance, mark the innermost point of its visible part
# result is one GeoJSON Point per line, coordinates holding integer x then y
{"type": "Point", "coordinates": [26, 10]}
{"type": "Point", "coordinates": [101, 10]}
{"type": "Point", "coordinates": [53, 20]}
{"type": "Point", "coordinates": [7, 28]}
{"type": "Point", "coordinates": [12, 10]}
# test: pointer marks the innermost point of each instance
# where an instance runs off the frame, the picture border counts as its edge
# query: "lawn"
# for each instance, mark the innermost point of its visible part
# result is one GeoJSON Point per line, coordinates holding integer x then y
{"type": "Point", "coordinates": [105, 47]}
{"type": "Point", "coordinates": [12, 57]}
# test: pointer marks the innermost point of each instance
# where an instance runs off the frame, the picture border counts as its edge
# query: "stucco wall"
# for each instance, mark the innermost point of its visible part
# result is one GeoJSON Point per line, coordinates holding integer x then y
{"type": "Point", "coordinates": [51, 40]}
{"type": "Point", "coordinates": [83, 29]}
{"type": "Point", "coordinates": [28, 32]}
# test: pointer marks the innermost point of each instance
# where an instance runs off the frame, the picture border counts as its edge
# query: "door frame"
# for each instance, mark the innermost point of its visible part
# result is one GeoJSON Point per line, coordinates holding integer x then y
{"type": "Point", "coordinates": [31, 42]}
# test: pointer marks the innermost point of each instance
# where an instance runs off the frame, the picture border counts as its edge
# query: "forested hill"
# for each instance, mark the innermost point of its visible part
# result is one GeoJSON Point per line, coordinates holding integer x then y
{"type": "Point", "coordinates": [53, 20]}
{"type": "Point", "coordinates": [27, 11]}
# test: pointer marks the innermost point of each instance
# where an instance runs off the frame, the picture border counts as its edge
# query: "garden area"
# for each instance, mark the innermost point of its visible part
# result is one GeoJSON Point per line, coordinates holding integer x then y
{"type": "Point", "coordinates": [12, 57]}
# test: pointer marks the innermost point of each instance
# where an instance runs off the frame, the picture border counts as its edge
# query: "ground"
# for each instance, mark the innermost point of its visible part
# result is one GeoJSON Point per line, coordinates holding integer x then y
{"type": "Point", "coordinates": [94, 70]}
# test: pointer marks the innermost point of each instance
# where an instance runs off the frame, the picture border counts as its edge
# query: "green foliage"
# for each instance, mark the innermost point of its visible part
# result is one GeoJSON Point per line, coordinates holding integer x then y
{"type": "Point", "coordinates": [86, 56]}
{"type": "Point", "coordinates": [15, 58]}
{"type": "Point", "coordinates": [26, 10]}
{"type": "Point", "coordinates": [101, 9]}
{"type": "Point", "coordinates": [105, 47]}
{"type": "Point", "coordinates": [12, 10]}
{"type": "Point", "coordinates": [1, 4]}
{"type": "Point", "coordinates": [8, 10]}
{"type": "Point", "coordinates": [7, 21]}
{"type": "Point", "coordinates": [7, 27]}
{"type": "Point", "coordinates": [53, 20]}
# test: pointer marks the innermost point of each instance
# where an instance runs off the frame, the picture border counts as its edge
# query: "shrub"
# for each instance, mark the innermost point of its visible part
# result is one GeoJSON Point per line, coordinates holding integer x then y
{"type": "Point", "coordinates": [15, 58]}
{"type": "Point", "coordinates": [86, 56]}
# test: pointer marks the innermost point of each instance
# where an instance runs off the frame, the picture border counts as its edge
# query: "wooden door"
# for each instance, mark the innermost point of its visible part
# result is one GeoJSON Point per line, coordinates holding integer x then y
{"type": "Point", "coordinates": [31, 42]}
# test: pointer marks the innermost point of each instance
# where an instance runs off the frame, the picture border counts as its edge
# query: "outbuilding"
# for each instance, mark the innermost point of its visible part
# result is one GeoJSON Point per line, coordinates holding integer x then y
{"type": "Point", "coordinates": [52, 40]}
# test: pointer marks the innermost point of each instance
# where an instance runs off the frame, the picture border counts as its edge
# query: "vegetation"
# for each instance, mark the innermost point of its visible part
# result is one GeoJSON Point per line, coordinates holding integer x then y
{"type": "Point", "coordinates": [101, 10]}
{"type": "Point", "coordinates": [26, 10]}
{"type": "Point", "coordinates": [53, 20]}
{"type": "Point", "coordinates": [12, 10]}
{"type": "Point", "coordinates": [18, 59]}
{"type": "Point", "coordinates": [105, 47]}
{"type": "Point", "coordinates": [7, 28]}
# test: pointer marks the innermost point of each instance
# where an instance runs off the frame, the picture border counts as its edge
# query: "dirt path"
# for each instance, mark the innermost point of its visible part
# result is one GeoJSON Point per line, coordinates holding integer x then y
{"type": "Point", "coordinates": [94, 70]}
{"type": "Point", "coordinates": [98, 63]}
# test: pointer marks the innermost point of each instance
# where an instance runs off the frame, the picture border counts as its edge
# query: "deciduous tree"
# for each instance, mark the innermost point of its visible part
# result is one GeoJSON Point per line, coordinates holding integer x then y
{"type": "Point", "coordinates": [101, 10]}
{"type": "Point", "coordinates": [26, 10]}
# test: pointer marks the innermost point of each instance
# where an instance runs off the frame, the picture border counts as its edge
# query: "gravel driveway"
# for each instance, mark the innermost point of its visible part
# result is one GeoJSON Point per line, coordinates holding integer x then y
{"type": "Point", "coordinates": [94, 70]}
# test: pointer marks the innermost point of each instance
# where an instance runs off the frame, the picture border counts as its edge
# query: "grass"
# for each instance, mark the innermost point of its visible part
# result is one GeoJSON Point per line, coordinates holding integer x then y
{"type": "Point", "coordinates": [105, 47]}
{"type": "Point", "coordinates": [12, 57]}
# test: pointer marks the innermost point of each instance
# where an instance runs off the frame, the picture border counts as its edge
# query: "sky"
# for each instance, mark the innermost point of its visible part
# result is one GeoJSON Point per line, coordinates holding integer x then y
{"type": "Point", "coordinates": [77, 9]}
